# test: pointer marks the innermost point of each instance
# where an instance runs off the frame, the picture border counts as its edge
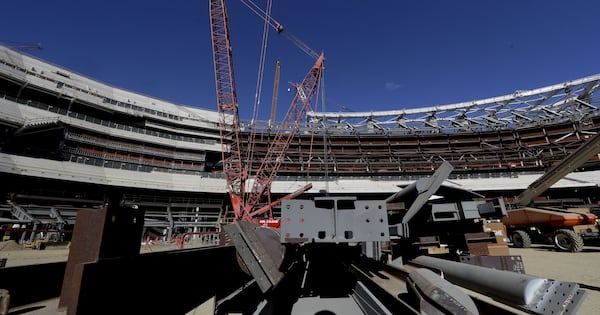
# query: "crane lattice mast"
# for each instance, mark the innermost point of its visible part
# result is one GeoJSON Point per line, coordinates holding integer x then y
{"type": "Point", "coordinates": [236, 171]}
{"type": "Point", "coordinates": [229, 126]}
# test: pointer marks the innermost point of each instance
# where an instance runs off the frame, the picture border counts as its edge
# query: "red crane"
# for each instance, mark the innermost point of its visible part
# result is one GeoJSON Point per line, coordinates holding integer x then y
{"type": "Point", "coordinates": [229, 127]}
{"type": "Point", "coordinates": [248, 205]}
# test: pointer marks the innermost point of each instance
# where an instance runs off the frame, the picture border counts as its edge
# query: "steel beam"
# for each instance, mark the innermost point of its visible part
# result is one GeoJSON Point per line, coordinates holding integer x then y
{"type": "Point", "coordinates": [259, 250]}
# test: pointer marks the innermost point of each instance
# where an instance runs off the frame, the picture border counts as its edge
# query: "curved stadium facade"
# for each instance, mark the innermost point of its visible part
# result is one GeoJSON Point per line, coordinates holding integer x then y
{"type": "Point", "coordinates": [68, 140]}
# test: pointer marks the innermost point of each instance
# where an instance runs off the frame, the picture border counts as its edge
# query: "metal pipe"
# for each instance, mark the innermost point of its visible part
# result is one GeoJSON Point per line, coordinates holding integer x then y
{"type": "Point", "coordinates": [532, 294]}
{"type": "Point", "coordinates": [513, 287]}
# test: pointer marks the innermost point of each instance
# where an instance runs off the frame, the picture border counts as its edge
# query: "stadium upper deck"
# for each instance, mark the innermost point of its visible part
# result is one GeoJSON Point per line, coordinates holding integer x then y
{"type": "Point", "coordinates": [568, 101]}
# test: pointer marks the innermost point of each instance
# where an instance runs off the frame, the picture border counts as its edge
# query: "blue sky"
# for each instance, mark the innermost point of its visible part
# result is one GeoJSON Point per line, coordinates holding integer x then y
{"type": "Point", "coordinates": [380, 55]}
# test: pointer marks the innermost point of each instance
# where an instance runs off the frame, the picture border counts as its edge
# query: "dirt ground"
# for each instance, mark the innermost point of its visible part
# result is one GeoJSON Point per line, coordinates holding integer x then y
{"type": "Point", "coordinates": [17, 255]}
{"type": "Point", "coordinates": [541, 261]}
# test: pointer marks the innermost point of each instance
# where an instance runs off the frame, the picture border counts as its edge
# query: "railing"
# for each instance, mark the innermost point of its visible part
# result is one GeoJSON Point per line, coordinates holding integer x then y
{"type": "Point", "coordinates": [110, 124]}
{"type": "Point", "coordinates": [143, 149]}
{"type": "Point", "coordinates": [205, 239]}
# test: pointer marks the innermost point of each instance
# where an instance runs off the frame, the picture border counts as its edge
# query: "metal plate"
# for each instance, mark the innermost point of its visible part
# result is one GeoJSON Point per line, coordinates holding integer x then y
{"type": "Point", "coordinates": [334, 220]}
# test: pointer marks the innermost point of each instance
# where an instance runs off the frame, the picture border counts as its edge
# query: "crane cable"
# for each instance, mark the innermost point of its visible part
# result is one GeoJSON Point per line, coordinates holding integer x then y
{"type": "Point", "coordinates": [259, 82]}
{"type": "Point", "coordinates": [270, 21]}
{"type": "Point", "coordinates": [279, 27]}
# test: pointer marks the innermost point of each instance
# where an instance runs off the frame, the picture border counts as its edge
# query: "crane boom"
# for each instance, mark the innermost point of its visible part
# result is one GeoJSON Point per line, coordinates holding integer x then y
{"type": "Point", "coordinates": [286, 131]}
{"type": "Point", "coordinates": [22, 46]}
{"type": "Point", "coordinates": [229, 127]}
{"type": "Point", "coordinates": [560, 170]}
{"type": "Point", "coordinates": [275, 94]}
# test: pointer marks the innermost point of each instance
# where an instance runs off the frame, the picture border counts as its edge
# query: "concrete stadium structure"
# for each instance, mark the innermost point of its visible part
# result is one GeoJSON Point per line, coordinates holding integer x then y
{"type": "Point", "coordinates": [67, 141]}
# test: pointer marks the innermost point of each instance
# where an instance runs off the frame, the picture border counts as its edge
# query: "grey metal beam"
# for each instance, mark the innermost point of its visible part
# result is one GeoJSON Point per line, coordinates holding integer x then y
{"type": "Point", "coordinates": [256, 251]}
{"type": "Point", "coordinates": [426, 187]}
{"type": "Point", "coordinates": [574, 160]}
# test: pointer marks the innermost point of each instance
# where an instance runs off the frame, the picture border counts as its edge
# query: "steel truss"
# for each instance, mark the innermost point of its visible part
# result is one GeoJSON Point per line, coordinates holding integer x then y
{"type": "Point", "coordinates": [574, 100]}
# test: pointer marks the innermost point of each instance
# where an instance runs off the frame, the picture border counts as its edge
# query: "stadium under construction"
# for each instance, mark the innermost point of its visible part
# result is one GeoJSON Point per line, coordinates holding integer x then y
{"type": "Point", "coordinates": [69, 141]}
{"type": "Point", "coordinates": [70, 144]}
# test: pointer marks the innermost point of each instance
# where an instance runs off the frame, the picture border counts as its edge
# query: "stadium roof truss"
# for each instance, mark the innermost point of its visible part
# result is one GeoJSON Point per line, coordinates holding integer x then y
{"type": "Point", "coordinates": [576, 100]}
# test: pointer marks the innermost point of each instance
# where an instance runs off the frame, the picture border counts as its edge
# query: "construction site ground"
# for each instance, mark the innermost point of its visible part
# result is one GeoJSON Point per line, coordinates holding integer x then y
{"type": "Point", "coordinates": [540, 260]}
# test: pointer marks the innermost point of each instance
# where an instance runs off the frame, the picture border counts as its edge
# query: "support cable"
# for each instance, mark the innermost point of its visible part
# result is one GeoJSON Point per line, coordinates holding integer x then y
{"type": "Point", "coordinates": [258, 92]}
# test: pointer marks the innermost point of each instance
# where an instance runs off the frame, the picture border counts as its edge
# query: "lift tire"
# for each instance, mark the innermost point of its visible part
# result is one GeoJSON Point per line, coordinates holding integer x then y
{"type": "Point", "coordinates": [520, 239]}
{"type": "Point", "coordinates": [567, 241]}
